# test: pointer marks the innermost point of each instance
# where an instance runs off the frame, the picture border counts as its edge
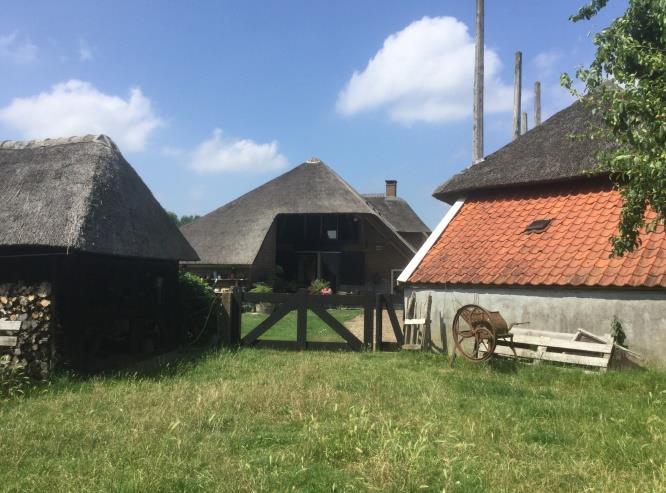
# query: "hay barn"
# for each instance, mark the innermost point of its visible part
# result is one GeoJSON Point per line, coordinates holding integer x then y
{"type": "Point", "coordinates": [88, 257]}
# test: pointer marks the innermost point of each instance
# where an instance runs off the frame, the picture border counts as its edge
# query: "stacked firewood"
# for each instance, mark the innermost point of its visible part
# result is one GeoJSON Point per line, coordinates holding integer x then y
{"type": "Point", "coordinates": [32, 348]}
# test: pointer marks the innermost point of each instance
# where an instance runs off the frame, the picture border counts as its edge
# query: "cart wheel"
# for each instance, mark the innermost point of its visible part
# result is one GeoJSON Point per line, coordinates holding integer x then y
{"type": "Point", "coordinates": [472, 333]}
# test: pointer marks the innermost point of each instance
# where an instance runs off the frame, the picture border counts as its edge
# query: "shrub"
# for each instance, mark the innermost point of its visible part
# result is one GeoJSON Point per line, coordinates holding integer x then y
{"type": "Point", "coordinates": [261, 287]}
{"type": "Point", "coordinates": [198, 307]}
{"type": "Point", "coordinates": [317, 285]}
{"type": "Point", "coordinates": [617, 331]}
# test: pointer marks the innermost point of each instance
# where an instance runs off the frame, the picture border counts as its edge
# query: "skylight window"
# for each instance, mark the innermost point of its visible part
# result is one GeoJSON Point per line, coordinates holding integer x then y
{"type": "Point", "coordinates": [538, 226]}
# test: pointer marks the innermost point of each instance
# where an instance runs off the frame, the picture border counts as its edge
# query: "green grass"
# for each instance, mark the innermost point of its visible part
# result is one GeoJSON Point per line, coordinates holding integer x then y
{"type": "Point", "coordinates": [261, 420]}
{"type": "Point", "coordinates": [285, 329]}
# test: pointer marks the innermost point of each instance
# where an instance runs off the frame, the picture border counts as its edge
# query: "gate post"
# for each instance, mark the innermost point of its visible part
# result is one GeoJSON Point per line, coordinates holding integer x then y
{"type": "Point", "coordinates": [379, 315]}
{"type": "Point", "coordinates": [231, 303]}
{"type": "Point", "coordinates": [367, 321]}
{"type": "Point", "coordinates": [301, 318]}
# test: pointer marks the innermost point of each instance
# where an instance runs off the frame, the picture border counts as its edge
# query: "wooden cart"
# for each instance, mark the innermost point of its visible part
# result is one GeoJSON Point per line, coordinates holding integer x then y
{"type": "Point", "coordinates": [477, 330]}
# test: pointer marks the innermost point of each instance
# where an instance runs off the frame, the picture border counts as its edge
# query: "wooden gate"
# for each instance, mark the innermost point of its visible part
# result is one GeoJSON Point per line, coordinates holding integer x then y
{"type": "Point", "coordinates": [301, 302]}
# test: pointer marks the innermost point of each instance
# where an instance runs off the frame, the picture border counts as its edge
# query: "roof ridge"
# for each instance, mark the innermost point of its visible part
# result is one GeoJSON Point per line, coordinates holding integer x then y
{"type": "Point", "coordinates": [381, 196]}
{"type": "Point", "coordinates": [37, 143]}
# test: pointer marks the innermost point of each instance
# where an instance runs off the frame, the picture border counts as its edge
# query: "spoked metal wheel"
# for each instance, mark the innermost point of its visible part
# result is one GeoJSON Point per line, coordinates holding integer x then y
{"type": "Point", "coordinates": [473, 334]}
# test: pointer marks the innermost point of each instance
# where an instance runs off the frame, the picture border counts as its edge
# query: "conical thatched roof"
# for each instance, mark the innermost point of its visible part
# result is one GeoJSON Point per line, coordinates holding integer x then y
{"type": "Point", "coordinates": [80, 194]}
{"type": "Point", "coordinates": [546, 153]}
{"type": "Point", "coordinates": [233, 234]}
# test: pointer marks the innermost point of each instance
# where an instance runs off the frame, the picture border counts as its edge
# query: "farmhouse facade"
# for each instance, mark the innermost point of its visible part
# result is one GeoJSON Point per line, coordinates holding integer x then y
{"type": "Point", "coordinates": [303, 225]}
{"type": "Point", "coordinates": [528, 234]}
{"type": "Point", "coordinates": [88, 257]}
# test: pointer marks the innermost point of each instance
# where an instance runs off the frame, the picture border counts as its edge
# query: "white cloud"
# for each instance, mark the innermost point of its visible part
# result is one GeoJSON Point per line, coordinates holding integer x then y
{"type": "Point", "coordinates": [85, 51]}
{"type": "Point", "coordinates": [244, 155]}
{"type": "Point", "coordinates": [546, 62]}
{"type": "Point", "coordinates": [170, 151]}
{"type": "Point", "coordinates": [425, 73]}
{"type": "Point", "coordinates": [17, 50]}
{"type": "Point", "coordinates": [78, 108]}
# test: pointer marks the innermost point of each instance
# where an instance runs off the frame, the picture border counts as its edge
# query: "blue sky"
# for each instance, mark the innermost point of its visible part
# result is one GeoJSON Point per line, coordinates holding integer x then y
{"type": "Point", "coordinates": [208, 100]}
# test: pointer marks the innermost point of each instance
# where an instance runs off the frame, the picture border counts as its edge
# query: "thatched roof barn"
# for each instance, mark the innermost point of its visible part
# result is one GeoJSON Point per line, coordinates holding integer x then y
{"type": "Point", "coordinates": [81, 234]}
{"type": "Point", "coordinates": [80, 194]}
{"type": "Point", "coordinates": [528, 234]}
{"type": "Point", "coordinates": [244, 232]}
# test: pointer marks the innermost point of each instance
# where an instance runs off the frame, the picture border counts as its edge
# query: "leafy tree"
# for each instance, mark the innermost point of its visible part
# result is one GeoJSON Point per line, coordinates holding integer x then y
{"type": "Point", "coordinates": [174, 217]}
{"type": "Point", "coordinates": [187, 219]}
{"type": "Point", "coordinates": [182, 220]}
{"type": "Point", "coordinates": [626, 87]}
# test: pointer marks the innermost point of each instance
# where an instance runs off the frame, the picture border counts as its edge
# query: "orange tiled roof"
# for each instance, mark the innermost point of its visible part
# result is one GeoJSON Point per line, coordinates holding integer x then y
{"type": "Point", "coordinates": [485, 243]}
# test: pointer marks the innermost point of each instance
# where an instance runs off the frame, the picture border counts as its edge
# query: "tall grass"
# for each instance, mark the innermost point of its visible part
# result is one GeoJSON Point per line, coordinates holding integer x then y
{"type": "Point", "coordinates": [260, 420]}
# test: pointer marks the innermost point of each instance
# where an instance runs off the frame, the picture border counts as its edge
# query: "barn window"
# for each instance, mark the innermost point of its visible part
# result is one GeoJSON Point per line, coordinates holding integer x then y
{"type": "Point", "coordinates": [538, 226]}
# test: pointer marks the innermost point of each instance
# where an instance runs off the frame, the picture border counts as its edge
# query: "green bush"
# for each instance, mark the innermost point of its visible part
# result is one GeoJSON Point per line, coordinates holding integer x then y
{"type": "Point", "coordinates": [261, 287]}
{"type": "Point", "coordinates": [198, 307]}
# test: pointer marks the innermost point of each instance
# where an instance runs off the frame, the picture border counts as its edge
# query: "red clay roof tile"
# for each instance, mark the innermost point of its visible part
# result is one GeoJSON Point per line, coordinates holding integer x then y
{"type": "Point", "coordinates": [486, 243]}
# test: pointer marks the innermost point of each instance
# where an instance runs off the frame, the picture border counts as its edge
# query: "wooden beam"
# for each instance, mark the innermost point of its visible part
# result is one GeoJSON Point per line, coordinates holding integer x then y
{"type": "Point", "coordinates": [267, 297]}
{"type": "Point", "coordinates": [523, 123]}
{"type": "Point", "coordinates": [537, 103]}
{"type": "Point", "coordinates": [368, 323]}
{"type": "Point", "coordinates": [397, 331]}
{"type": "Point", "coordinates": [517, 89]}
{"type": "Point", "coordinates": [477, 128]}
{"type": "Point", "coordinates": [379, 316]}
{"type": "Point", "coordinates": [272, 319]}
{"type": "Point", "coordinates": [9, 325]}
{"type": "Point", "coordinates": [552, 342]}
{"type": "Point", "coordinates": [8, 341]}
{"type": "Point", "coordinates": [338, 327]}
{"type": "Point", "coordinates": [302, 318]}
{"type": "Point", "coordinates": [601, 361]}
{"type": "Point", "coordinates": [337, 300]}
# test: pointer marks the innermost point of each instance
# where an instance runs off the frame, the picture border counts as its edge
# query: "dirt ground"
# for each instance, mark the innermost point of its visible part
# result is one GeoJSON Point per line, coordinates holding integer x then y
{"type": "Point", "coordinates": [355, 325]}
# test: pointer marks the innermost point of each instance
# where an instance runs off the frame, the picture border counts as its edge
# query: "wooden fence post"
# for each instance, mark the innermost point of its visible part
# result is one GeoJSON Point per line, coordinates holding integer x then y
{"type": "Point", "coordinates": [367, 322]}
{"type": "Point", "coordinates": [234, 312]}
{"type": "Point", "coordinates": [379, 315]}
{"type": "Point", "coordinates": [222, 322]}
{"type": "Point", "coordinates": [302, 318]}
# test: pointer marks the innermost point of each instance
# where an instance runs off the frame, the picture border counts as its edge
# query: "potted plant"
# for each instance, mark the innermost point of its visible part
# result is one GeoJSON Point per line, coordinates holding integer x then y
{"type": "Point", "coordinates": [320, 286]}
{"type": "Point", "coordinates": [263, 306]}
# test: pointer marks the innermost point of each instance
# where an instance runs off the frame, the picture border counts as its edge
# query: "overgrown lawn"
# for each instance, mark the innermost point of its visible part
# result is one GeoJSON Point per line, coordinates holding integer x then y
{"type": "Point", "coordinates": [261, 420]}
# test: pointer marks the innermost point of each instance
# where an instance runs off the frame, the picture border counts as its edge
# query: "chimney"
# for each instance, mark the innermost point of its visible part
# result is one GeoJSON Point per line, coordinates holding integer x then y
{"type": "Point", "coordinates": [518, 80]}
{"type": "Point", "coordinates": [537, 103]}
{"type": "Point", "coordinates": [391, 188]}
{"type": "Point", "coordinates": [477, 130]}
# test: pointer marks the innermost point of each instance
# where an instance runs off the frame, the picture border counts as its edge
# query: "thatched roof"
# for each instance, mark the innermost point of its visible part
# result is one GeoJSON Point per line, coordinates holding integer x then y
{"type": "Point", "coordinates": [546, 153]}
{"type": "Point", "coordinates": [80, 194]}
{"type": "Point", "coordinates": [397, 212]}
{"type": "Point", "coordinates": [233, 234]}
